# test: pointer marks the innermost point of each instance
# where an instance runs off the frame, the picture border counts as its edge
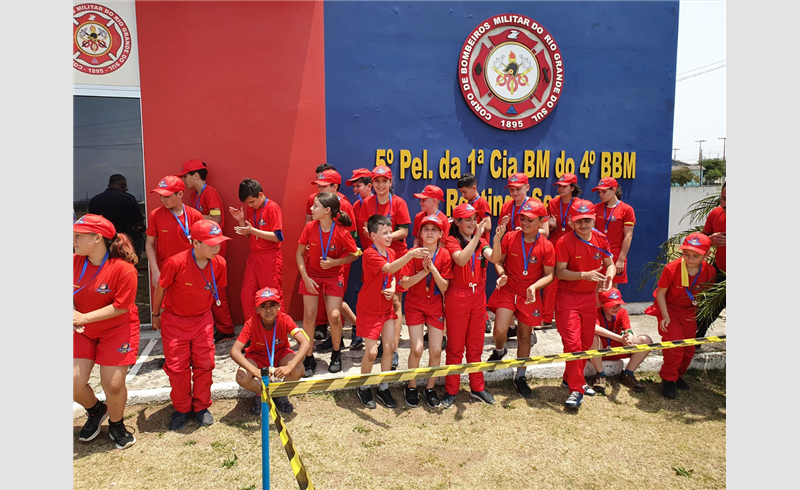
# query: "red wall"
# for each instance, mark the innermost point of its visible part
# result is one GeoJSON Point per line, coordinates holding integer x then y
{"type": "Point", "coordinates": [241, 86]}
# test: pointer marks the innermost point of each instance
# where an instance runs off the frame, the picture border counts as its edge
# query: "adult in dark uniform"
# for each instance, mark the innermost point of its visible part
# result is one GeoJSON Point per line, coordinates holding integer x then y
{"type": "Point", "coordinates": [121, 209]}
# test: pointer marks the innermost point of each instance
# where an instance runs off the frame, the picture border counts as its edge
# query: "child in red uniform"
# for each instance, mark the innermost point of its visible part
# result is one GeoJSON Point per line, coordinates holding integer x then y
{"type": "Point", "coordinates": [681, 281]}
{"type": "Point", "coordinates": [616, 219]}
{"type": "Point", "coordinates": [426, 281]}
{"type": "Point", "coordinates": [613, 329]}
{"type": "Point", "coordinates": [362, 188]}
{"type": "Point", "coordinates": [394, 208]}
{"type": "Point", "coordinates": [559, 209]}
{"type": "Point", "coordinates": [376, 317]}
{"type": "Point", "coordinates": [468, 187]}
{"type": "Point", "coordinates": [207, 200]}
{"type": "Point", "coordinates": [268, 333]}
{"type": "Point", "coordinates": [528, 260]}
{"type": "Point", "coordinates": [465, 300]}
{"type": "Point", "coordinates": [322, 251]}
{"type": "Point", "coordinates": [429, 200]}
{"type": "Point", "coordinates": [105, 322]}
{"type": "Point", "coordinates": [518, 188]}
{"type": "Point", "coordinates": [580, 256]}
{"type": "Point", "coordinates": [189, 285]}
{"type": "Point", "coordinates": [168, 226]}
{"type": "Point", "coordinates": [264, 267]}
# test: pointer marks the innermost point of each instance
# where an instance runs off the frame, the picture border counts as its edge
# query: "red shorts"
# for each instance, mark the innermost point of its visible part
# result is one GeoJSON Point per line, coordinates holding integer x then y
{"type": "Point", "coordinates": [117, 346]}
{"type": "Point", "coordinates": [370, 326]}
{"type": "Point", "coordinates": [262, 361]}
{"type": "Point", "coordinates": [328, 286]}
{"type": "Point", "coordinates": [425, 311]}
{"type": "Point", "coordinates": [529, 314]}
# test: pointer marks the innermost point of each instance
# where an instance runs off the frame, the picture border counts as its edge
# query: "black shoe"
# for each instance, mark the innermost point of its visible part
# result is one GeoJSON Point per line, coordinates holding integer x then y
{"type": "Point", "coordinates": [327, 345]}
{"type": "Point", "coordinates": [395, 360]}
{"type": "Point", "coordinates": [681, 384]}
{"type": "Point", "coordinates": [432, 398]}
{"type": "Point", "coordinates": [91, 428]}
{"type": "Point", "coordinates": [512, 332]}
{"type": "Point", "coordinates": [220, 336]}
{"type": "Point", "coordinates": [448, 400]}
{"type": "Point", "coordinates": [483, 396]}
{"type": "Point", "coordinates": [574, 400]}
{"type": "Point", "coordinates": [497, 355]}
{"type": "Point", "coordinates": [256, 408]}
{"type": "Point", "coordinates": [310, 363]}
{"type": "Point", "coordinates": [178, 420]}
{"type": "Point", "coordinates": [120, 435]}
{"type": "Point", "coordinates": [669, 389]}
{"type": "Point", "coordinates": [366, 397]}
{"type": "Point", "coordinates": [385, 397]}
{"type": "Point", "coordinates": [523, 388]}
{"type": "Point", "coordinates": [412, 397]}
{"type": "Point", "coordinates": [283, 404]}
{"type": "Point", "coordinates": [320, 331]}
{"type": "Point", "coordinates": [204, 417]}
{"type": "Point", "coordinates": [357, 343]}
{"type": "Point", "coordinates": [336, 362]}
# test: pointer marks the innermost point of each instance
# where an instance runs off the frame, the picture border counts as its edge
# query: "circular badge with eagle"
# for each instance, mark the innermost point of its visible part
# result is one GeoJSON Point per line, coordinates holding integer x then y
{"type": "Point", "coordinates": [511, 72]}
{"type": "Point", "coordinates": [101, 42]}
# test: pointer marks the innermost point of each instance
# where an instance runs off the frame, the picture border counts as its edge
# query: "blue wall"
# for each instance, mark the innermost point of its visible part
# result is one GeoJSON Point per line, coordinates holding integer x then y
{"type": "Point", "coordinates": [391, 83]}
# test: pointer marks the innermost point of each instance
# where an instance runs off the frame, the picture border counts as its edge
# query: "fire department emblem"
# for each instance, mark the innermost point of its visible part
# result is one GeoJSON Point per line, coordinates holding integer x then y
{"type": "Point", "coordinates": [101, 40]}
{"type": "Point", "coordinates": [511, 72]}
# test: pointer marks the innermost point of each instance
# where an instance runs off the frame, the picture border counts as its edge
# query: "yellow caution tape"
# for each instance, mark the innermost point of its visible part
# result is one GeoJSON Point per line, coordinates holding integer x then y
{"type": "Point", "coordinates": [300, 473]}
{"type": "Point", "coordinates": [340, 382]}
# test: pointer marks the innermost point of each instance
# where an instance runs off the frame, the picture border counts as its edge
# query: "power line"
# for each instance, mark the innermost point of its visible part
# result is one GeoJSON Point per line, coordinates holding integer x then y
{"type": "Point", "coordinates": [695, 69]}
{"type": "Point", "coordinates": [696, 74]}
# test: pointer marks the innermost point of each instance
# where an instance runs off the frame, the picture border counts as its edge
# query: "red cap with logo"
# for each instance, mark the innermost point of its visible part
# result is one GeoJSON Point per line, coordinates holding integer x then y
{"type": "Point", "coordinates": [169, 185]}
{"type": "Point", "coordinates": [268, 294]}
{"type": "Point", "coordinates": [567, 179]}
{"type": "Point", "coordinates": [359, 173]}
{"type": "Point", "coordinates": [464, 210]}
{"type": "Point", "coordinates": [208, 232]}
{"type": "Point", "coordinates": [328, 177]}
{"type": "Point", "coordinates": [191, 166]}
{"type": "Point", "coordinates": [533, 209]}
{"type": "Point", "coordinates": [696, 242]}
{"type": "Point", "coordinates": [432, 219]}
{"type": "Point", "coordinates": [94, 223]}
{"type": "Point", "coordinates": [431, 191]}
{"type": "Point", "coordinates": [606, 183]}
{"type": "Point", "coordinates": [611, 297]}
{"type": "Point", "coordinates": [517, 180]}
{"type": "Point", "coordinates": [582, 208]}
{"type": "Point", "coordinates": [381, 171]}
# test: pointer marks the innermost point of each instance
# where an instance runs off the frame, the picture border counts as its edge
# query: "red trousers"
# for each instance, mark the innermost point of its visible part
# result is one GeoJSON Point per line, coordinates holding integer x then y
{"type": "Point", "coordinates": [188, 359]}
{"type": "Point", "coordinates": [264, 268]}
{"type": "Point", "coordinates": [682, 325]}
{"type": "Point", "coordinates": [549, 294]}
{"type": "Point", "coordinates": [576, 316]}
{"type": "Point", "coordinates": [464, 314]}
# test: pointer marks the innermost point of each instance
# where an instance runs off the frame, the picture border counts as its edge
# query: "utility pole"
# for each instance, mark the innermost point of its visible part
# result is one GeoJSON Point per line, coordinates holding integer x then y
{"type": "Point", "coordinates": [674, 152]}
{"type": "Point", "coordinates": [723, 146]}
{"type": "Point", "coordinates": [700, 159]}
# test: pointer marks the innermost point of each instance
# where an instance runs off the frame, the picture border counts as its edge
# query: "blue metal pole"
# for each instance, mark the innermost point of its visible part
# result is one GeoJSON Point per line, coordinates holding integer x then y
{"type": "Point", "coordinates": [265, 436]}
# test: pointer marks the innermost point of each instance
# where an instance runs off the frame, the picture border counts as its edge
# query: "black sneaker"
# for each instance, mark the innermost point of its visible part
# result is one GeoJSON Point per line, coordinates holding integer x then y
{"type": "Point", "coordinates": [366, 397]}
{"type": "Point", "coordinates": [488, 326]}
{"type": "Point", "coordinates": [587, 390]}
{"type": "Point", "coordinates": [681, 384]}
{"type": "Point", "coordinates": [204, 417]}
{"type": "Point", "coordinates": [178, 420]}
{"type": "Point", "coordinates": [574, 400]}
{"type": "Point", "coordinates": [310, 363]}
{"type": "Point", "coordinates": [432, 398]}
{"type": "Point", "coordinates": [523, 388]}
{"type": "Point", "coordinates": [385, 397]}
{"type": "Point", "coordinates": [395, 360]}
{"type": "Point", "coordinates": [327, 345]}
{"type": "Point", "coordinates": [412, 397]}
{"type": "Point", "coordinates": [497, 355]}
{"type": "Point", "coordinates": [483, 396]}
{"type": "Point", "coordinates": [320, 331]}
{"type": "Point", "coordinates": [120, 435]}
{"type": "Point", "coordinates": [220, 336]}
{"type": "Point", "coordinates": [669, 389]}
{"type": "Point", "coordinates": [357, 343]}
{"type": "Point", "coordinates": [448, 400]}
{"type": "Point", "coordinates": [256, 408]}
{"type": "Point", "coordinates": [336, 362]}
{"type": "Point", "coordinates": [91, 428]}
{"type": "Point", "coordinates": [512, 332]}
{"type": "Point", "coordinates": [283, 404]}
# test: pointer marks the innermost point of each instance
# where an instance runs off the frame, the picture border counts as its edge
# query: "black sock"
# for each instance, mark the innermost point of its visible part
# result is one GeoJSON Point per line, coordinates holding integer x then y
{"type": "Point", "coordinates": [110, 423]}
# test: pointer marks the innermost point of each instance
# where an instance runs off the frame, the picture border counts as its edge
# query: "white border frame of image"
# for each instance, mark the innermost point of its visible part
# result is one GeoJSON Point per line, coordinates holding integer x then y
{"type": "Point", "coordinates": [106, 91]}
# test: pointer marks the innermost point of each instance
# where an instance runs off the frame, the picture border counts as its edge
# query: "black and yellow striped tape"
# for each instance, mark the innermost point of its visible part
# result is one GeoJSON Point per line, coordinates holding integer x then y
{"type": "Point", "coordinates": [340, 382]}
{"type": "Point", "coordinates": [300, 473]}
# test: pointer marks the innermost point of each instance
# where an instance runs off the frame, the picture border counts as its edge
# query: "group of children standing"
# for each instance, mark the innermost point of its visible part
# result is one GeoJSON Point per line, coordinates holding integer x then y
{"type": "Point", "coordinates": [558, 262]}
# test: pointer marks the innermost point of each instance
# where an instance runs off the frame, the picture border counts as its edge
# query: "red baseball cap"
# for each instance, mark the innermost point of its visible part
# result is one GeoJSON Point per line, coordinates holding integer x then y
{"type": "Point", "coordinates": [611, 297]}
{"type": "Point", "coordinates": [517, 180]}
{"type": "Point", "coordinates": [94, 223]}
{"type": "Point", "coordinates": [432, 219]}
{"type": "Point", "coordinates": [582, 208]}
{"type": "Point", "coordinates": [431, 191]}
{"type": "Point", "coordinates": [696, 242]}
{"type": "Point", "coordinates": [328, 177]}
{"type": "Point", "coordinates": [359, 173]}
{"type": "Point", "coordinates": [381, 171]}
{"type": "Point", "coordinates": [268, 294]}
{"type": "Point", "coordinates": [191, 166]}
{"type": "Point", "coordinates": [533, 209]}
{"type": "Point", "coordinates": [567, 179]}
{"type": "Point", "coordinates": [169, 185]}
{"type": "Point", "coordinates": [208, 232]}
{"type": "Point", "coordinates": [464, 210]}
{"type": "Point", "coordinates": [606, 183]}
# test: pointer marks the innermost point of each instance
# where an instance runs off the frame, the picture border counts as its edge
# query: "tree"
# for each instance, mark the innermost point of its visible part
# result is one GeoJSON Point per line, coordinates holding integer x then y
{"type": "Point", "coordinates": [714, 169]}
{"type": "Point", "coordinates": [683, 176]}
